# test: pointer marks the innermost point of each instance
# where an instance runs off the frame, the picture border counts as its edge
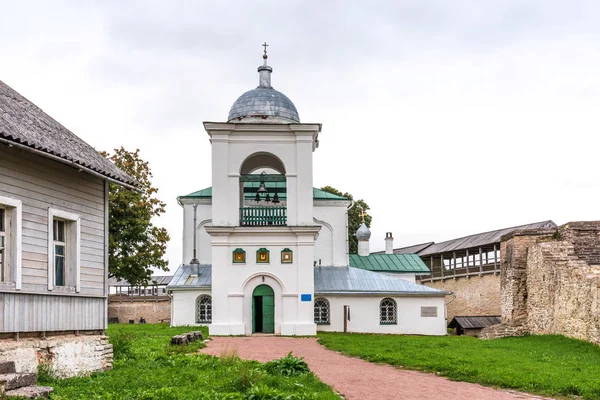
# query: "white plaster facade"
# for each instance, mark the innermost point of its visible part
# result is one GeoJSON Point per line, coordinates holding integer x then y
{"type": "Point", "coordinates": [364, 315]}
{"type": "Point", "coordinates": [183, 306]}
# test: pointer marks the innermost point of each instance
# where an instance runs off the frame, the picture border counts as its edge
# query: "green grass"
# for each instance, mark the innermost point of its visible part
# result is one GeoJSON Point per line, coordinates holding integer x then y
{"type": "Point", "coordinates": [146, 367]}
{"type": "Point", "coordinates": [548, 365]}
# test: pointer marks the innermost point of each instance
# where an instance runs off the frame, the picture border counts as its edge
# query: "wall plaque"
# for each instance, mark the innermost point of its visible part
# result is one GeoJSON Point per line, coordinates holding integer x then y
{"type": "Point", "coordinates": [429, 311]}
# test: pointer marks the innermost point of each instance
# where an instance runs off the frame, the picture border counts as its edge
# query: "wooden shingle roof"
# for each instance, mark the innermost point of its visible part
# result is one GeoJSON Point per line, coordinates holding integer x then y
{"type": "Point", "coordinates": [414, 249]}
{"type": "Point", "coordinates": [154, 280]}
{"type": "Point", "coordinates": [480, 239]}
{"type": "Point", "coordinates": [474, 322]}
{"type": "Point", "coordinates": [24, 124]}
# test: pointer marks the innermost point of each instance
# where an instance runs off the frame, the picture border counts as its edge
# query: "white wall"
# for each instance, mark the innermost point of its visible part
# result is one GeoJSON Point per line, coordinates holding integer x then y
{"type": "Point", "coordinates": [183, 306]}
{"type": "Point", "coordinates": [203, 218]}
{"type": "Point", "coordinates": [364, 315]}
{"type": "Point", "coordinates": [233, 284]}
{"type": "Point", "coordinates": [406, 277]}
{"type": "Point", "coordinates": [331, 246]}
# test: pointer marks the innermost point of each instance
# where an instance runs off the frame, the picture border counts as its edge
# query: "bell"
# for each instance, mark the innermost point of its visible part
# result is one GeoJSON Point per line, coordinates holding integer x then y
{"type": "Point", "coordinates": [261, 188]}
{"type": "Point", "coordinates": [275, 199]}
{"type": "Point", "coordinates": [268, 198]}
{"type": "Point", "coordinates": [257, 198]}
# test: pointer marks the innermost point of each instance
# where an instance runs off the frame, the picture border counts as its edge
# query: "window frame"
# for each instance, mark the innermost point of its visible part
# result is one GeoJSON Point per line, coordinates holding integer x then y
{"type": "Point", "coordinates": [57, 242]}
{"type": "Point", "coordinates": [327, 313]}
{"type": "Point", "coordinates": [386, 320]}
{"type": "Point", "coordinates": [207, 311]}
{"type": "Point", "coordinates": [4, 245]}
{"type": "Point", "coordinates": [72, 250]}
{"type": "Point", "coordinates": [13, 211]}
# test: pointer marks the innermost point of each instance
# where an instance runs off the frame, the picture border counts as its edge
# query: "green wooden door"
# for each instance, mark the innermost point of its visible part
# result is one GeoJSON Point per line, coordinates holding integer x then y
{"type": "Point", "coordinates": [263, 309]}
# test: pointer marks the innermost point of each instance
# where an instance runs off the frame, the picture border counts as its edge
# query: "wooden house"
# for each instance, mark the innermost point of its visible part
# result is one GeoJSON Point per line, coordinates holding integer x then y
{"type": "Point", "coordinates": [53, 240]}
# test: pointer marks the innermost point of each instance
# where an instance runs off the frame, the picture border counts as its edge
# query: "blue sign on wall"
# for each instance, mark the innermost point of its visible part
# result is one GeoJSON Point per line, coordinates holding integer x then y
{"type": "Point", "coordinates": [306, 297]}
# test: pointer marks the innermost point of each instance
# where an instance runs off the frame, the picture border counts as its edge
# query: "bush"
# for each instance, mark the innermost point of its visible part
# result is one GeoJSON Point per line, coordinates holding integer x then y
{"type": "Point", "coordinates": [45, 373]}
{"type": "Point", "coordinates": [287, 366]}
{"type": "Point", "coordinates": [122, 344]}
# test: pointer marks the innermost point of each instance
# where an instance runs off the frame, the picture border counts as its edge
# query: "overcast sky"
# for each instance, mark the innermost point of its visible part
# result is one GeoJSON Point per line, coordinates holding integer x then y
{"type": "Point", "coordinates": [447, 117]}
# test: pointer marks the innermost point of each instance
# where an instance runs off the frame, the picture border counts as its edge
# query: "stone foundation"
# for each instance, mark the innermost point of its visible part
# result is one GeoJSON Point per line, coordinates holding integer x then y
{"type": "Point", "coordinates": [476, 295]}
{"type": "Point", "coordinates": [67, 356]}
{"type": "Point", "coordinates": [153, 309]}
{"type": "Point", "coordinates": [501, 330]}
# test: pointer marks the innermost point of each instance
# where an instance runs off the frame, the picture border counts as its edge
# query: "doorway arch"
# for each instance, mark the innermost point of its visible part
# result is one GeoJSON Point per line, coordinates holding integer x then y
{"type": "Point", "coordinates": [263, 309]}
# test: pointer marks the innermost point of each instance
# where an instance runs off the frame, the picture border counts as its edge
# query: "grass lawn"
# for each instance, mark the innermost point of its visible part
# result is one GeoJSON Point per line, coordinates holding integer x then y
{"type": "Point", "coordinates": [549, 365]}
{"type": "Point", "coordinates": [146, 367]}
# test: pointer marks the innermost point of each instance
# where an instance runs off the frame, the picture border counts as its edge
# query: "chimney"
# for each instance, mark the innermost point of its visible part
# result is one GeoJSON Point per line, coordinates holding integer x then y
{"type": "Point", "coordinates": [389, 243]}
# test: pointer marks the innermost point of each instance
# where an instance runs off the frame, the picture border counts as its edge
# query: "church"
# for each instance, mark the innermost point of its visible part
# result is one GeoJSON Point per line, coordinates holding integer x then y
{"type": "Point", "coordinates": [265, 252]}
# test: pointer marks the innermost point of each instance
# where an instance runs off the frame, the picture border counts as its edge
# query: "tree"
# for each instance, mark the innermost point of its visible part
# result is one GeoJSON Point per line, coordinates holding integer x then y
{"type": "Point", "coordinates": [354, 217]}
{"type": "Point", "coordinates": [135, 244]}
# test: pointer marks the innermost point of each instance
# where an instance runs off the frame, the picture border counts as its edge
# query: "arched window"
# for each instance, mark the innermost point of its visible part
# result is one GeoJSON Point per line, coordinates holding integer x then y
{"type": "Point", "coordinates": [321, 311]}
{"type": "Point", "coordinates": [387, 312]}
{"type": "Point", "coordinates": [204, 309]}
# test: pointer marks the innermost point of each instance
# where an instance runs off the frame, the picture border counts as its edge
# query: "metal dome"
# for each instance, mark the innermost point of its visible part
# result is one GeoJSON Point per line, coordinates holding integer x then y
{"type": "Point", "coordinates": [264, 102]}
{"type": "Point", "coordinates": [363, 233]}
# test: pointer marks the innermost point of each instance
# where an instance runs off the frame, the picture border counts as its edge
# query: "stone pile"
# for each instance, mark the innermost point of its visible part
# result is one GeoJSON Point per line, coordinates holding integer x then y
{"type": "Point", "coordinates": [22, 385]}
{"type": "Point", "coordinates": [186, 338]}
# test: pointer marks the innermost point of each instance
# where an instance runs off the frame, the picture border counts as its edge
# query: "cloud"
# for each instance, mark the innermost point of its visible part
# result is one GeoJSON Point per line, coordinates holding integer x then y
{"type": "Point", "coordinates": [449, 118]}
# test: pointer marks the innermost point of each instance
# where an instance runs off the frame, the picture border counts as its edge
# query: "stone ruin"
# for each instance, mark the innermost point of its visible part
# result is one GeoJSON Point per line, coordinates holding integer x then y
{"type": "Point", "coordinates": [550, 282]}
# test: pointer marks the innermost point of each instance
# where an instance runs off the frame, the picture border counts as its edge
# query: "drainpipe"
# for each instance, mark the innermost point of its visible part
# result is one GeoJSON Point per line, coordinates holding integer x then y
{"type": "Point", "coordinates": [347, 242]}
{"type": "Point", "coordinates": [194, 259]}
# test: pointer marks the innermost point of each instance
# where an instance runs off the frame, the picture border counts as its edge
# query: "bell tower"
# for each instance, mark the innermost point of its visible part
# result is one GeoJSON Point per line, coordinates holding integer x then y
{"type": "Point", "coordinates": [262, 232]}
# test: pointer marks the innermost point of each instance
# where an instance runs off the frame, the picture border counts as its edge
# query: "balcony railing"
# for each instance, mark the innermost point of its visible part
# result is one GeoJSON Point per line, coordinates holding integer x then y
{"type": "Point", "coordinates": [263, 216]}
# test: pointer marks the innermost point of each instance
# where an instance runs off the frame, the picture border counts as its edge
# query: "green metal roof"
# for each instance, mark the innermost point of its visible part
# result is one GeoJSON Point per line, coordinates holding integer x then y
{"type": "Point", "coordinates": [278, 187]}
{"type": "Point", "coordinates": [399, 263]}
{"type": "Point", "coordinates": [319, 194]}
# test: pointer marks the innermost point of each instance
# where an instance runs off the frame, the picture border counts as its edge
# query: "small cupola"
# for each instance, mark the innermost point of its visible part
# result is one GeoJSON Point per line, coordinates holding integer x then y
{"type": "Point", "coordinates": [363, 234]}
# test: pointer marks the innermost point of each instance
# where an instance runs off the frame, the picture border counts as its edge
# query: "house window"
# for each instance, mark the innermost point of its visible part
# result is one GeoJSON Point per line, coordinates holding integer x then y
{"type": "Point", "coordinates": [60, 247]}
{"type": "Point", "coordinates": [321, 311]}
{"type": "Point", "coordinates": [387, 312]}
{"type": "Point", "coordinates": [64, 250]}
{"type": "Point", "coordinates": [3, 252]}
{"type": "Point", "coordinates": [10, 241]}
{"type": "Point", "coordinates": [204, 309]}
{"type": "Point", "coordinates": [262, 256]}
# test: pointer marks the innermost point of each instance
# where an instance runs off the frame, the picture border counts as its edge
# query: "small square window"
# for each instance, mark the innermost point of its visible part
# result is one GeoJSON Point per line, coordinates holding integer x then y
{"type": "Point", "coordinates": [262, 256]}
{"type": "Point", "coordinates": [286, 256]}
{"type": "Point", "coordinates": [239, 256]}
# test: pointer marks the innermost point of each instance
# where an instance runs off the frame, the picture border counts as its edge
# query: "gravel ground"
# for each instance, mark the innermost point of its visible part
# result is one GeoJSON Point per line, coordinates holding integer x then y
{"type": "Point", "coordinates": [357, 379]}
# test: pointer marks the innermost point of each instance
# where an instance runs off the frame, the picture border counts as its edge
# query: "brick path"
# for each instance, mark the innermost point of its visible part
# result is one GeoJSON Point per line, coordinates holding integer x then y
{"type": "Point", "coordinates": [357, 379]}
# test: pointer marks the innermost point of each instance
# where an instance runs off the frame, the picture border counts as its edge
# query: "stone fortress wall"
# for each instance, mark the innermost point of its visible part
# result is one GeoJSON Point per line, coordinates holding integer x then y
{"type": "Point", "coordinates": [476, 295]}
{"type": "Point", "coordinates": [154, 309]}
{"type": "Point", "coordinates": [550, 282]}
